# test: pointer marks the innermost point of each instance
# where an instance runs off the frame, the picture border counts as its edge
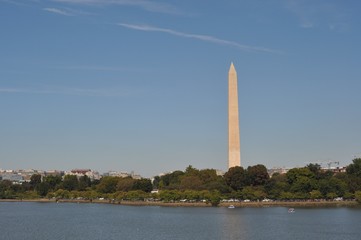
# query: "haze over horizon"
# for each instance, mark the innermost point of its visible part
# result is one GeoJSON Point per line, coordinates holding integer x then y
{"type": "Point", "coordinates": [142, 85]}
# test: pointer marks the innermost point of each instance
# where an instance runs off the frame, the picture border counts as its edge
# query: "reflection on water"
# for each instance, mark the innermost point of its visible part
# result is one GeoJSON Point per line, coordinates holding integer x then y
{"type": "Point", "coordinates": [100, 221]}
{"type": "Point", "coordinates": [277, 223]}
{"type": "Point", "coordinates": [233, 225]}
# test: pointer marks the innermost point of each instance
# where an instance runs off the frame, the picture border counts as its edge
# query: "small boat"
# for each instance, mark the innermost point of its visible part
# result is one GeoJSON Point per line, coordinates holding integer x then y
{"type": "Point", "coordinates": [231, 206]}
{"type": "Point", "coordinates": [291, 210]}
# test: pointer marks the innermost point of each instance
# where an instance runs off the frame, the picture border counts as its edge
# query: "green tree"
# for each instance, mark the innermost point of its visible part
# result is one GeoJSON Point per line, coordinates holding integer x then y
{"type": "Point", "coordinates": [84, 183]}
{"type": "Point", "coordinates": [208, 176]}
{"type": "Point", "coordinates": [125, 184]}
{"type": "Point", "coordinates": [143, 184]}
{"type": "Point", "coordinates": [191, 195]}
{"type": "Point", "coordinates": [91, 194]}
{"type": "Point", "coordinates": [215, 198]}
{"type": "Point", "coordinates": [53, 181]}
{"type": "Point", "coordinates": [318, 172]}
{"type": "Point", "coordinates": [315, 168]}
{"type": "Point", "coordinates": [156, 182]}
{"type": "Point", "coordinates": [35, 179]}
{"type": "Point", "coordinates": [170, 180]}
{"type": "Point", "coordinates": [136, 195]}
{"type": "Point", "coordinates": [218, 184]}
{"type": "Point", "coordinates": [61, 193]}
{"type": "Point", "coordinates": [315, 194]}
{"type": "Point", "coordinates": [254, 193]}
{"type": "Point", "coordinates": [191, 170]}
{"type": "Point", "coordinates": [276, 185]}
{"type": "Point", "coordinates": [108, 184]}
{"type": "Point", "coordinates": [354, 168]}
{"type": "Point", "coordinates": [287, 196]}
{"type": "Point", "coordinates": [331, 195]}
{"type": "Point", "coordinates": [42, 188]}
{"type": "Point", "coordinates": [358, 196]}
{"type": "Point", "coordinates": [70, 182]}
{"type": "Point", "coordinates": [303, 184]}
{"type": "Point", "coordinates": [296, 173]}
{"type": "Point", "coordinates": [5, 186]}
{"type": "Point", "coordinates": [236, 178]}
{"type": "Point", "coordinates": [257, 175]}
{"type": "Point", "coordinates": [170, 195]}
{"type": "Point", "coordinates": [192, 182]}
{"type": "Point", "coordinates": [332, 185]}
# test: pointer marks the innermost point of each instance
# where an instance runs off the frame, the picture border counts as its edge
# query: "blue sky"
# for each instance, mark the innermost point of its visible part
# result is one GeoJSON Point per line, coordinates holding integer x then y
{"type": "Point", "coordinates": [142, 85]}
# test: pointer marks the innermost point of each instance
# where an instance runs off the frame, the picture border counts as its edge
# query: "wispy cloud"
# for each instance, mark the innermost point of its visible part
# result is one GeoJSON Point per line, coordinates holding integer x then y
{"type": "Point", "coordinates": [147, 5]}
{"type": "Point", "coordinates": [307, 24]}
{"type": "Point", "coordinates": [205, 38]}
{"type": "Point", "coordinates": [70, 91]}
{"type": "Point", "coordinates": [323, 13]}
{"type": "Point", "coordinates": [67, 11]}
{"type": "Point", "coordinates": [95, 68]}
{"type": "Point", "coordinates": [18, 3]}
{"type": "Point", "coordinates": [58, 11]}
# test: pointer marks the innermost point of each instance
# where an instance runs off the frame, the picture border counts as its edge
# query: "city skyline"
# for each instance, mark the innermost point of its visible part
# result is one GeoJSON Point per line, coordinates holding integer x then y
{"type": "Point", "coordinates": [142, 85]}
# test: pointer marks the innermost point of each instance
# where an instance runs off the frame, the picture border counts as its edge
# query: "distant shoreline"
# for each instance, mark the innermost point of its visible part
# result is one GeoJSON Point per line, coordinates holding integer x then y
{"type": "Point", "coordinates": [198, 204]}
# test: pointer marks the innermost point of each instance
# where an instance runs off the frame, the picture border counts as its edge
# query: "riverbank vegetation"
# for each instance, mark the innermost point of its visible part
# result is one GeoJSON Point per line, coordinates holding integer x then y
{"type": "Point", "coordinates": [193, 185]}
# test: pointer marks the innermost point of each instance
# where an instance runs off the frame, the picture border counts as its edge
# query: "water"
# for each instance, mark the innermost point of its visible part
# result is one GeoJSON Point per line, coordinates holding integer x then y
{"type": "Point", "coordinates": [102, 221]}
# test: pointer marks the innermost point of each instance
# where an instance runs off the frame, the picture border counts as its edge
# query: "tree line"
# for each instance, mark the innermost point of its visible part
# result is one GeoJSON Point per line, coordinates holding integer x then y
{"type": "Point", "coordinates": [253, 183]}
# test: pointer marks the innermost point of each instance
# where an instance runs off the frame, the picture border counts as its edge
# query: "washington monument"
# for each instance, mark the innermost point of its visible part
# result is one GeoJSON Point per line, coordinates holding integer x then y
{"type": "Point", "coordinates": [234, 148]}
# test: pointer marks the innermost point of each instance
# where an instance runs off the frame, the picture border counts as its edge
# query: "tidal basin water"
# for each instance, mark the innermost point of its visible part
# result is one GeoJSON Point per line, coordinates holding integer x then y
{"type": "Point", "coordinates": [24, 220]}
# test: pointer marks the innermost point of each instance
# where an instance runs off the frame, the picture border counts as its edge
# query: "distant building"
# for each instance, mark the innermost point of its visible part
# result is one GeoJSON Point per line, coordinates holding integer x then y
{"type": "Point", "coordinates": [335, 169]}
{"type": "Point", "coordinates": [135, 176]}
{"type": "Point", "coordinates": [80, 171]}
{"type": "Point", "coordinates": [219, 172]}
{"type": "Point", "coordinates": [54, 173]}
{"type": "Point", "coordinates": [285, 170]}
{"type": "Point", "coordinates": [93, 175]}
{"type": "Point", "coordinates": [122, 174]}
{"type": "Point", "coordinates": [27, 173]}
{"type": "Point", "coordinates": [277, 170]}
{"type": "Point", "coordinates": [13, 177]}
{"type": "Point", "coordinates": [117, 174]}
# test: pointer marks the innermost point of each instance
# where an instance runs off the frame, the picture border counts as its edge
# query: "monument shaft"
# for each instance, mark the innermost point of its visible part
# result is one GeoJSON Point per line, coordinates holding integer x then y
{"type": "Point", "coordinates": [234, 148]}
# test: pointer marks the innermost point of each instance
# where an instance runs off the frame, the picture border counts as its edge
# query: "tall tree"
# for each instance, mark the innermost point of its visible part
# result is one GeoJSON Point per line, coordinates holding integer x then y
{"type": "Point", "coordinates": [125, 184]}
{"type": "Point", "coordinates": [171, 180]}
{"type": "Point", "coordinates": [42, 188]}
{"type": "Point", "coordinates": [35, 179]}
{"type": "Point", "coordinates": [236, 178]}
{"type": "Point", "coordinates": [84, 183]}
{"type": "Point", "coordinates": [354, 168]}
{"type": "Point", "coordinates": [192, 182]}
{"type": "Point", "coordinates": [143, 184]}
{"type": "Point", "coordinates": [295, 173]}
{"type": "Point", "coordinates": [257, 175]}
{"type": "Point", "coordinates": [53, 181]}
{"type": "Point", "coordinates": [70, 182]}
{"type": "Point", "coordinates": [108, 184]}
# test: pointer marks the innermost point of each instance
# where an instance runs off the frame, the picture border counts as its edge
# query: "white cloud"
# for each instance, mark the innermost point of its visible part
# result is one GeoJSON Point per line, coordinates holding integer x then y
{"type": "Point", "coordinates": [307, 25]}
{"type": "Point", "coordinates": [70, 91]}
{"type": "Point", "coordinates": [11, 90]}
{"type": "Point", "coordinates": [205, 38]}
{"type": "Point", "coordinates": [93, 68]}
{"type": "Point", "coordinates": [147, 5]}
{"type": "Point", "coordinates": [58, 11]}
{"type": "Point", "coordinates": [19, 2]}
{"type": "Point", "coordinates": [311, 14]}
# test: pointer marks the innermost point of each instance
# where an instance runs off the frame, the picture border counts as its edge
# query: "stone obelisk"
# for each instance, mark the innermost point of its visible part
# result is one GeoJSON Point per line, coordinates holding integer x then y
{"type": "Point", "coordinates": [234, 147]}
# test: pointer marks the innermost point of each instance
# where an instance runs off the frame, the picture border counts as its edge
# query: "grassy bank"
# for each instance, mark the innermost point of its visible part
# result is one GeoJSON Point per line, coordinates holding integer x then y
{"type": "Point", "coordinates": [200, 204]}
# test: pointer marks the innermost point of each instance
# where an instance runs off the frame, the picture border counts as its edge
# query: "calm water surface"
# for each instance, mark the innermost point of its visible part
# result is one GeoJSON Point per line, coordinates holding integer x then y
{"type": "Point", "coordinates": [102, 221]}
